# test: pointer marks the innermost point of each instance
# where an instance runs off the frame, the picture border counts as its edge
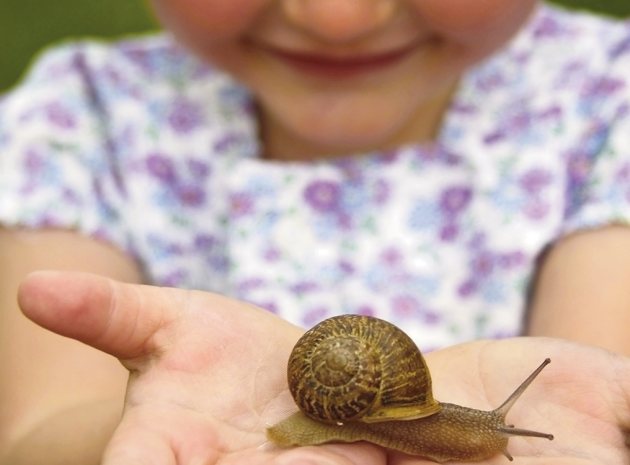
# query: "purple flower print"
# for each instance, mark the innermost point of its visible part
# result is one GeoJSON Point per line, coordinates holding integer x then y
{"type": "Point", "coordinates": [314, 316]}
{"type": "Point", "coordinates": [60, 116]}
{"type": "Point", "coordinates": [270, 306]}
{"type": "Point", "coordinates": [323, 196]}
{"type": "Point", "coordinates": [454, 200]}
{"type": "Point", "coordinates": [121, 82]}
{"type": "Point", "coordinates": [366, 310]}
{"type": "Point", "coordinates": [381, 192]}
{"type": "Point", "coordinates": [578, 167]}
{"type": "Point", "coordinates": [164, 248]}
{"type": "Point", "coordinates": [518, 122]}
{"type": "Point", "coordinates": [272, 254]}
{"type": "Point", "coordinates": [198, 169]}
{"type": "Point", "coordinates": [161, 167]}
{"type": "Point", "coordinates": [241, 204]}
{"type": "Point", "coordinates": [191, 195]}
{"type": "Point", "coordinates": [304, 287]}
{"type": "Point", "coordinates": [467, 288]}
{"type": "Point", "coordinates": [548, 28]}
{"type": "Point", "coordinates": [249, 285]}
{"type": "Point", "coordinates": [175, 278]}
{"type": "Point", "coordinates": [623, 173]}
{"type": "Point", "coordinates": [219, 263]}
{"type": "Point", "coordinates": [534, 180]}
{"type": "Point", "coordinates": [228, 142]}
{"type": "Point", "coordinates": [620, 48]}
{"type": "Point", "coordinates": [71, 197]}
{"type": "Point", "coordinates": [34, 162]}
{"type": "Point", "coordinates": [391, 257]}
{"type": "Point", "coordinates": [511, 260]}
{"type": "Point", "coordinates": [409, 307]}
{"type": "Point", "coordinates": [141, 58]}
{"type": "Point", "coordinates": [495, 136]}
{"type": "Point", "coordinates": [449, 232]}
{"type": "Point", "coordinates": [204, 242]}
{"type": "Point", "coordinates": [537, 210]}
{"type": "Point", "coordinates": [602, 87]}
{"type": "Point", "coordinates": [483, 264]}
{"type": "Point", "coordinates": [184, 116]}
{"type": "Point", "coordinates": [405, 306]}
{"type": "Point", "coordinates": [346, 267]}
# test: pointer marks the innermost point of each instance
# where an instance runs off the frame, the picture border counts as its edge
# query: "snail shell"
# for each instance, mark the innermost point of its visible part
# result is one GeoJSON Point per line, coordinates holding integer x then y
{"type": "Point", "coordinates": [357, 368]}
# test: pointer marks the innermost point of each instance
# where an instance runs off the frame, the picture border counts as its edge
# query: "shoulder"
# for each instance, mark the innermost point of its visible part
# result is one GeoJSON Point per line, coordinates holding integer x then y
{"type": "Point", "coordinates": [149, 56]}
{"type": "Point", "coordinates": [572, 50]}
{"type": "Point", "coordinates": [98, 73]}
{"type": "Point", "coordinates": [104, 89]}
{"type": "Point", "coordinates": [554, 25]}
{"type": "Point", "coordinates": [561, 45]}
{"type": "Point", "coordinates": [564, 65]}
{"type": "Point", "coordinates": [94, 124]}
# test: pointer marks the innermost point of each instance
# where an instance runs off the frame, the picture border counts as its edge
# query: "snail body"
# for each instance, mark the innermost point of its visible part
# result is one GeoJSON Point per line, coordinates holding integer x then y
{"type": "Point", "coordinates": [343, 398]}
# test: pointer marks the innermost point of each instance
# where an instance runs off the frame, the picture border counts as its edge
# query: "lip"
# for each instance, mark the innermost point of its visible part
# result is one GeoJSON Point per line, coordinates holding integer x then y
{"type": "Point", "coordinates": [340, 66]}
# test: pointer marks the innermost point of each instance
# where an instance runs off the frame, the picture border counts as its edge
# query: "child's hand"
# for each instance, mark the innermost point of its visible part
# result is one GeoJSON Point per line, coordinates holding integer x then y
{"type": "Point", "coordinates": [208, 376]}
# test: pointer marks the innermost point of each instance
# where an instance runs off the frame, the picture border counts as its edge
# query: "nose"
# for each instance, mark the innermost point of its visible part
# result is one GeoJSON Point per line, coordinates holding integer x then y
{"type": "Point", "coordinates": [338, 20]}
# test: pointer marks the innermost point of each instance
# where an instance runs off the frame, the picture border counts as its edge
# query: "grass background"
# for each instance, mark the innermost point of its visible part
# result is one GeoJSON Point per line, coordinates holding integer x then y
{"type": "Point", "coordinates": [28, 25]}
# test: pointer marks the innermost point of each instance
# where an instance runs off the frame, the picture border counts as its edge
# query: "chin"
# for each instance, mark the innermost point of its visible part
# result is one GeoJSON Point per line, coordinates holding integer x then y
{"type": "Point", "coordinates": [332, 132]}
{"type": "Point", "coordinates": [367, 128]}
{"type": "Point", "coordinates": [352, 141]}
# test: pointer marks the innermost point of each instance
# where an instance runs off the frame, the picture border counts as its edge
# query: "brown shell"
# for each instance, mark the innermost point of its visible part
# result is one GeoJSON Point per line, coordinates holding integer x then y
{"type": "Point", "coordinates": [358, 368]}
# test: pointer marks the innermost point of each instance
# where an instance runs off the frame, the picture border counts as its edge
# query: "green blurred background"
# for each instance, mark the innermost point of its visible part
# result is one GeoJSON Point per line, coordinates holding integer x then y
{"type": "Point", "coordinates": [27, 25]}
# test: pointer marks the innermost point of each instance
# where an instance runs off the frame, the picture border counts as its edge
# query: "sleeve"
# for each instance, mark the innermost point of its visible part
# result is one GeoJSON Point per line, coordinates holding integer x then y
{"type": "Point", "coordinates": [54, 167]}
{"type": "Point", "coordinates": [598, 165]}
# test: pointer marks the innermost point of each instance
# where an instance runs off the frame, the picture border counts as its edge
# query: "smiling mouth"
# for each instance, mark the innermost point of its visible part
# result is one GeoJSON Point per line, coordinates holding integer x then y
{"type": "Point", "coordinates": [330, 66]}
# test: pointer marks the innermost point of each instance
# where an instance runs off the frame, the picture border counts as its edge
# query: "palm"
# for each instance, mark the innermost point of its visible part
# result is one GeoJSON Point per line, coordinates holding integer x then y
{"type": "Point", "coordinates": [210, 397]}
{"type": "Point", "coordinates": [583, 397]}
{"type": "Point", "coordinates": [208, 377]}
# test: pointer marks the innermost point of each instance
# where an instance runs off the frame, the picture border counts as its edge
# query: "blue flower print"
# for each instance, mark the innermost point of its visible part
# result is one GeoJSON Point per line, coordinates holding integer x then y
{"type": "Point", "coordinates": [424, 215]}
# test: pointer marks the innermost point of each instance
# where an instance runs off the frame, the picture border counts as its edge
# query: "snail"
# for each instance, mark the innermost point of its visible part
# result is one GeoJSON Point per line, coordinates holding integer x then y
{"type": "Point", "coordinates": [358, 378]}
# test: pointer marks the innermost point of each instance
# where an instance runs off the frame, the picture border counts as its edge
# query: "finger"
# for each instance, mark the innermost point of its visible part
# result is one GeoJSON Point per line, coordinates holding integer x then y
{"type": "Point", "coordinates": [120, 319]}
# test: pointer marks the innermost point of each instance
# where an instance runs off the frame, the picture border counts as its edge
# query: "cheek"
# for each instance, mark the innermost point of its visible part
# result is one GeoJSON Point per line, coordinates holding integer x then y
{"type": "Point", "coordinates": [208, 20]}
{"type": "Point", "coordinates": [478, 23]}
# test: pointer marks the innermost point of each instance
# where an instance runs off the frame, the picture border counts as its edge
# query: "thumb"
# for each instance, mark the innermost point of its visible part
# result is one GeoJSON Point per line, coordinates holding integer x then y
{"type": "Point", "coordinates": [117, 318]}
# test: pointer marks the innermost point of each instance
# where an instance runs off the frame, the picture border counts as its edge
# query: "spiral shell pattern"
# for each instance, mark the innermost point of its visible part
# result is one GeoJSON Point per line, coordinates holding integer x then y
{"type": "Point", "coordinates": [358, 368]}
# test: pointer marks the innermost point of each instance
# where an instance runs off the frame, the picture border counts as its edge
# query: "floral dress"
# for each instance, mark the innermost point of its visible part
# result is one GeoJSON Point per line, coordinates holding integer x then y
{"type": "Point", "coordinates": [138, 144]}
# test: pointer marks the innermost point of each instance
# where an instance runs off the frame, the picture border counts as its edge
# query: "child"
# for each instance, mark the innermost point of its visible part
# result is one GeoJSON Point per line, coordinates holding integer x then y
{"type": "Point", "coordinates": [407, 159]}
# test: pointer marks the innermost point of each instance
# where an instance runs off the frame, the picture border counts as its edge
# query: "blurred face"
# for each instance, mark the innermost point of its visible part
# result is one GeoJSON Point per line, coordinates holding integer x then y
{"type": "Point", "coordinates": [340, 76]}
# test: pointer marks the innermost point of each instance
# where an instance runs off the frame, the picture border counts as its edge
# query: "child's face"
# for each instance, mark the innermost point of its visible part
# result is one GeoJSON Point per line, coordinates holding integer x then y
{"type": "Point", "coordinates": [338, 76]}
